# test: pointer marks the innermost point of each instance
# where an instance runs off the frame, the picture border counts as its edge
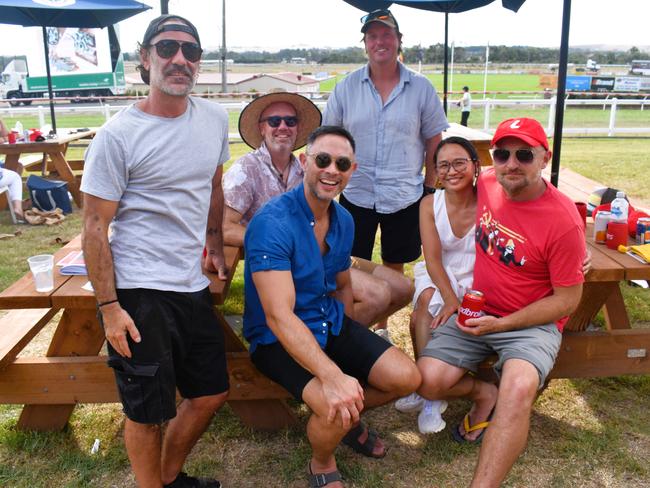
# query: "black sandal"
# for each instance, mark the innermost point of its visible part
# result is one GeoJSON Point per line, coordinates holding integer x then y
{"type": "Point", "coordinates": [322, 479]}
{"type": "Point", "coordinates": [351, 440]}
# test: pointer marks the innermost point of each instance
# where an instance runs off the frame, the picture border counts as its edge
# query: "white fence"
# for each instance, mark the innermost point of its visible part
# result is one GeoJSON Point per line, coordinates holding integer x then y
{"type": "Point", "coordinates": [487, 105]}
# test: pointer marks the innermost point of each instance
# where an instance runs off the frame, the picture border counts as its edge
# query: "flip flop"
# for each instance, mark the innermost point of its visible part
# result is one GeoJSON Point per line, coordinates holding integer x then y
{"type": "Point", "coordinates": [351, 440]}
{"type": "Point", "coordinates": [458, 437]}
{"type": "Point", "coordinates": [319, 480]}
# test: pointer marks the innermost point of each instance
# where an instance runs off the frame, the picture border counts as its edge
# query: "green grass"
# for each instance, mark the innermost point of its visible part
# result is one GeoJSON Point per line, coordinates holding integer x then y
{"type": "Point", "coordinates": [496, 82]}
{"type": "Point", "coordinates": [585, 432]}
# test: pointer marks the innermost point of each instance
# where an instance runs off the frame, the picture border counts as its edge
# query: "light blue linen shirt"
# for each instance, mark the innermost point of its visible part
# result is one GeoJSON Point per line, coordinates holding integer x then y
{"type": "Point", "coordinates": [390, 138]}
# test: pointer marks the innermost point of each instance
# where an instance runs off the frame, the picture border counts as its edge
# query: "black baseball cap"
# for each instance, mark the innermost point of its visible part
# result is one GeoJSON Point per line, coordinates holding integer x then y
{"type": "Point", "coordinates": [158, 25]}
{"type": "Point", "coordinates": [383, 16]}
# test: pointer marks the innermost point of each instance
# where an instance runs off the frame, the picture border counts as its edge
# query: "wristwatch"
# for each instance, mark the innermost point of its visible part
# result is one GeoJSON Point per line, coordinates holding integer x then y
{"type": "Point", "coordinates": [428, 190]}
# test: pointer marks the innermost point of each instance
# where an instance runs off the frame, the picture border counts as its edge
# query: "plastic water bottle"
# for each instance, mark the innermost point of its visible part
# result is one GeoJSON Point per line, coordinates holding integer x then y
{"type": "Point", "coordinates": [620, 208]}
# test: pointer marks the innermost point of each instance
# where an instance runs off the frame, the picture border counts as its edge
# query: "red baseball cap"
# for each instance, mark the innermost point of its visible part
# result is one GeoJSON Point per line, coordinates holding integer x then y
{"type": "Point", "coordinates": [528, 130]}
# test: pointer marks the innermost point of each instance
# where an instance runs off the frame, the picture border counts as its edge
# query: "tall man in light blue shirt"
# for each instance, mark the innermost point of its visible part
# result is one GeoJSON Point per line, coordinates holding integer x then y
{"type": "Point", "coordinates": [396, 119]}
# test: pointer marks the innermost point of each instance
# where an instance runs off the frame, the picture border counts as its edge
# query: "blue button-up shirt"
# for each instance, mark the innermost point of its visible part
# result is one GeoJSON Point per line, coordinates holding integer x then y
{"type": "Point", "coordinates": [280, 237]}
{"type": "Point", "coordinates": [390, 137]}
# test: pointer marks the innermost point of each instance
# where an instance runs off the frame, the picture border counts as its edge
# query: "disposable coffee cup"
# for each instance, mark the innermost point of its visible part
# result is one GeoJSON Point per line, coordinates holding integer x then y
{"type": "Point", "coordinates": [42, 267]}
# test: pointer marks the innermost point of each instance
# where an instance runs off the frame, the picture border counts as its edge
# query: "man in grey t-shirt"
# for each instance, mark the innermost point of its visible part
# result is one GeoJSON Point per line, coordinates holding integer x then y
{"type": "Point", "coordinates": [153, 173]}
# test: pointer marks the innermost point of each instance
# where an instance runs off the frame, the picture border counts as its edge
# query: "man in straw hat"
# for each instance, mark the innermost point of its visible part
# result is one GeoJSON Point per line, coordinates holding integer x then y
{"type": "Point", "coordinates": [164, 203]}
{"type": "Point", "coordinates": [298, 306]}
{"type": "Point", "coordinates": [274, 125]}
{"type": "Point", "coordinates": [396, 118]}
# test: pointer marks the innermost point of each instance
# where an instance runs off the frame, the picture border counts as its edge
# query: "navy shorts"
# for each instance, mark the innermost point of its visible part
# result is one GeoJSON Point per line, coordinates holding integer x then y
{"type": "Point", "coordinates": [355, 351]}
{"type": "Point", "coordinates": [400, 232]}
{"type": "Point", "coordinates": [182, 347]}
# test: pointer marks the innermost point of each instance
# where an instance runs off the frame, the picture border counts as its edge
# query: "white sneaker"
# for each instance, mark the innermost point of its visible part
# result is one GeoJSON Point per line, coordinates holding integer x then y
{"type": "Point", "coordinates": [430, 420]}
{"type": "Point", "coordinates": [410, 403]}
{"type": "Point", "coordinates": [383, 333]}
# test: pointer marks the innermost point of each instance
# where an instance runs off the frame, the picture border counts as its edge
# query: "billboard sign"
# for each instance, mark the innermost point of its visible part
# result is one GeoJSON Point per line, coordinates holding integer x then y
{"type": "Point", "coordinates": [73, 51]}
{"type": "Point", "coordinates": [578, 83]}
{"type": "Point", "coordinates": [627, 84]}
{"type": "Point", "coordinates": [602, 83]}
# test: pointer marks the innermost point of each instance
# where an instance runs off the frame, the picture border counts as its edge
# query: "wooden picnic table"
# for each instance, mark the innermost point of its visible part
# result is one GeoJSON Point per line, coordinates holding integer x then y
{"type": "Point", "coordinates": [56, 150]}
{"type": "Point", "coordinates": [589, 352]}
{"type": "Point", "coordinates": [74, 368]}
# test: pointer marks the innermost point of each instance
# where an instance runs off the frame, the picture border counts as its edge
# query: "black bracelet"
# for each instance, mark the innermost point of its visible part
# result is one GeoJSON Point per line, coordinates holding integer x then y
{"type": "Point", "coordinates": [428, 190]}
{"type": "Point", "coordinates": [100, 305]}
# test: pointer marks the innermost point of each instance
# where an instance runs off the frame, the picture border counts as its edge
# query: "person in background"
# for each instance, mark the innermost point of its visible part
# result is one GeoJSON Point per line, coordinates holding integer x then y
{"type": "Point", "coordinates": [465, 104]}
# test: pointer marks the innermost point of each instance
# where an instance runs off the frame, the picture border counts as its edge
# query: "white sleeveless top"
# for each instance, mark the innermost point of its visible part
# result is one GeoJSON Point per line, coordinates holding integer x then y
{"type": "Point", "coordinates": [458, 256]}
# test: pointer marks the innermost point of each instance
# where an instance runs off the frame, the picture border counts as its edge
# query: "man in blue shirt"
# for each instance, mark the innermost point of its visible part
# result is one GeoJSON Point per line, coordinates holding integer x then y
{"type": "Point", "coordinates": [298, 298]}
{"type": "Point", "coordinates": [396, 118]}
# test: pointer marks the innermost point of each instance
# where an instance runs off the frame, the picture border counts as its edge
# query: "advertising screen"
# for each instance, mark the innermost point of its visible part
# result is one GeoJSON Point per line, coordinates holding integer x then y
{"type": "Point", "coordinates": [73, 51]}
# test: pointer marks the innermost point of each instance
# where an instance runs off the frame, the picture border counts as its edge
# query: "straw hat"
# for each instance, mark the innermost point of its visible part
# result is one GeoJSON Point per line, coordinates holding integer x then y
{"type": "Point", "coordinates": [309, 117]}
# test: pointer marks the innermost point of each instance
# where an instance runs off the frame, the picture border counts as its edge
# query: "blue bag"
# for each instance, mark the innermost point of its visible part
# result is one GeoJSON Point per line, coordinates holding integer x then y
{"type": "Point", "coordinates": [47, 195]}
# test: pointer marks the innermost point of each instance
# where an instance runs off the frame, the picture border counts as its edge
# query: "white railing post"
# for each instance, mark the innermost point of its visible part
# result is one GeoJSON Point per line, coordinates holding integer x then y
{"type": "Point", "coordinates": [612, 118]}
{"type": "Point", "coordinates": [486, 117]}
{"type": "Point", "coordinates": [107, 112]}
{"type": "Point", "coordinates": [552, 104]}
{"type": "Point", "coordinates": [41, 116]}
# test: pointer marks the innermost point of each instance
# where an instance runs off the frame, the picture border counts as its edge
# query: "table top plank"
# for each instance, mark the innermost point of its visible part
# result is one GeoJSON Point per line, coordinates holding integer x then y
{"type": "Point", "coordinates": [633, 269]}
{"type": "Point", "coordinates": [23, 294]}
{"type": "Point", "coordinates": [57, 144]}
{"type": "Point", "coordinates": [72, 295]}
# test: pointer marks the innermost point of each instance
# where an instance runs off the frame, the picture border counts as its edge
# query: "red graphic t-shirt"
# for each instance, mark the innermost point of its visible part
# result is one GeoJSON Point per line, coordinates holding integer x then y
{"type": "Point", "coordinates": [524, 249]}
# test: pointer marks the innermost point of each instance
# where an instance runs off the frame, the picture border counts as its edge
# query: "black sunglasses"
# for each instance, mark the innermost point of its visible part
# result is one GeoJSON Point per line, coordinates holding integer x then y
{"type": "Point", "coordinates": [167, 48]}
{"type": "Point", "coordinates": [379, 14]}
{"type": "Point", "coordinates": [524, 156]}
{"type": "Point", "coordinates": [323, 160]}
{"type": "Point", "coordinates": [275, 120]}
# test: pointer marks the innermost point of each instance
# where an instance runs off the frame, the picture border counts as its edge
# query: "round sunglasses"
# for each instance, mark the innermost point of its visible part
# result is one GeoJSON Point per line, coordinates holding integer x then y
{"type": "Point", "coordinates": [167, 48]}
{"type": "Point", "coordinates": [524, 156]}
{"type": "Point", "coordinates": [323, 160]}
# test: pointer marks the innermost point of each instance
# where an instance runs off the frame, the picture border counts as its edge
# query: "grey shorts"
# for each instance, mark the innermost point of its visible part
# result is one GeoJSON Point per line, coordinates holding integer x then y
{"type": "Point", "coordinates": [537, 345]}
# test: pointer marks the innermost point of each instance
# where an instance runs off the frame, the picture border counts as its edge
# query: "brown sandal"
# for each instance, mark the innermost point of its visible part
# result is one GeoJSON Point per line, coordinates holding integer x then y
{"type": "Point", "coordinates": [319, 480]}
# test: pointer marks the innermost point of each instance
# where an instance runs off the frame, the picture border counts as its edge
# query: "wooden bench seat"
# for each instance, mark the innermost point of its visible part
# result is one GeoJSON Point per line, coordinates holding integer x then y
{"type": "Point", "coordinates": [17, 328]}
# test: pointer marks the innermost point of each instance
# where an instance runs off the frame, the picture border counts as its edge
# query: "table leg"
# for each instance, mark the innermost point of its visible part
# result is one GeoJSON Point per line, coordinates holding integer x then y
{"type": "Point", "coordinates": [12, 162]}
{"type": "Point", "coordinates": [594, 295]}
{"type": "Point", "coordinates": [78, 334]}
{"type": "Point", "coordinates": [66, 173]}
{"type": "Point", "coordinates": [259, 414]}
{"type": "Point", "coordinates": [615, 312]}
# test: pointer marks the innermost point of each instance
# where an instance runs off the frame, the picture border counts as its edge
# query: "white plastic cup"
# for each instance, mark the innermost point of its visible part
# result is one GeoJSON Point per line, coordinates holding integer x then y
{"type": "Point", "coordinates": [42, 267]}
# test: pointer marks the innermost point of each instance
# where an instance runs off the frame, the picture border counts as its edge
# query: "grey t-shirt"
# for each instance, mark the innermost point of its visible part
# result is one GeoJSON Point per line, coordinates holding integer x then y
{"type": "Point", "coordinates": [160, 171]}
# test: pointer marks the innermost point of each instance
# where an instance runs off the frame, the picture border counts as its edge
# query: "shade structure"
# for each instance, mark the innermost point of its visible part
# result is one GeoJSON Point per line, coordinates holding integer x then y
{"type": "Point", "coordinates": [66, 13]}
{"type": "Point", "coordinates": [445, 6]}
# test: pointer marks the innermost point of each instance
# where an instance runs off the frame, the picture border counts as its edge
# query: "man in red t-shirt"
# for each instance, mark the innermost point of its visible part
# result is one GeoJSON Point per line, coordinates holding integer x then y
{"type": "Point", "coordinates": [529, 250]}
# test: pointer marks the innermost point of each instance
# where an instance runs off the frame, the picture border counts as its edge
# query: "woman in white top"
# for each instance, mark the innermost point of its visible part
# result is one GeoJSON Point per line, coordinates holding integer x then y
{"type": "Point", "coordinates": [447, 230]}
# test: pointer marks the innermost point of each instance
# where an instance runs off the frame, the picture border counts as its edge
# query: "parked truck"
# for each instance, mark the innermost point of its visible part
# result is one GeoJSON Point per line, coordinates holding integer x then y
{"type": "Point", "coordinates": [83, 63]}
